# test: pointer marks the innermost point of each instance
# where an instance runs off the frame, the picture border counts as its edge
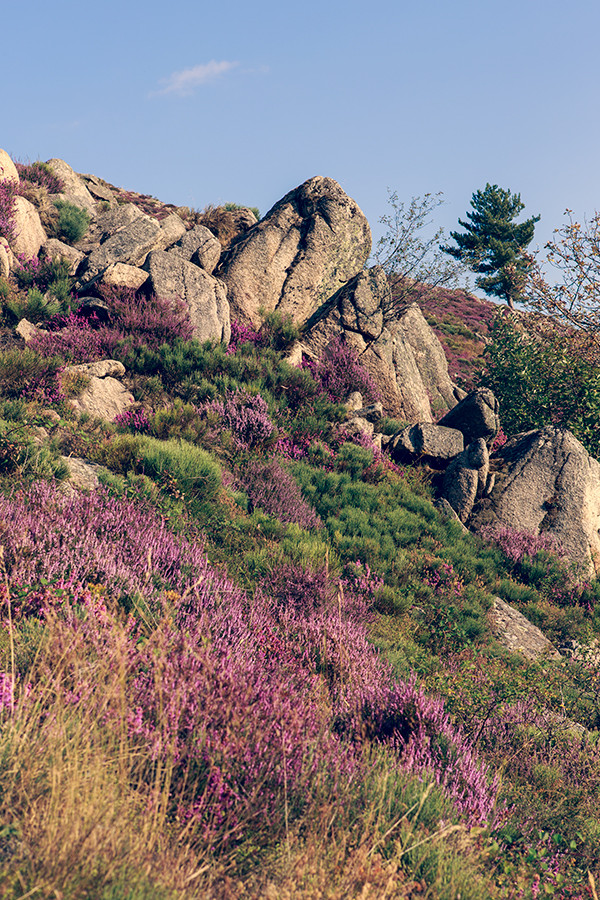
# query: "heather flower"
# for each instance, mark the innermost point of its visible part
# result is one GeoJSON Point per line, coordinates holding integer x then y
{"type": "Point", "coordinates": [274, 490]}
{"type": "Point", "coordinates": [9, 190]}
{"type": "Point", "coordinates": [242, 334]}
{"type": "Point", "coordinates": [339, 372]}
{"type": "Point", "coordinates": [135, 419]}
{"type": "Point", "coordinates": [245, 415]}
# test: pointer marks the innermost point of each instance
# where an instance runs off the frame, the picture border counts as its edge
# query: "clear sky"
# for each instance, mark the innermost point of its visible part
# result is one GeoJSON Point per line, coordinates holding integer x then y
{"type": "Point", "coordinates": [196, 102]}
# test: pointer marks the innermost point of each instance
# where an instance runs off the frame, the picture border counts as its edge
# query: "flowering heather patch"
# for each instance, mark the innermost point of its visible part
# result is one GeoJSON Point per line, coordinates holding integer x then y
{"type": "Point", "coordinates": [246, 415]}
{"type": "Point", "coordinates": [260, 705]}
{"type": "Point", "coordinates": [136, 419]}
{"type": "Point", "coordinates": [28, 272]}
{"type": "Point", "coordinates": [41, 174]}
{"type": "Point", "coordinates": [77, 341]}
{"type": "Point", "coordinates": [137, 322]}
{"type": "Point", "coordinates": [274, 490]}
{"type": "Point", "coordinates": [8, 191]}
{"type": "Point", "coordinates": [516, 545]}
{"type": "Point", "coordinates": [339, 372]}
{"type": "Point", "coordinates": [242, 334]}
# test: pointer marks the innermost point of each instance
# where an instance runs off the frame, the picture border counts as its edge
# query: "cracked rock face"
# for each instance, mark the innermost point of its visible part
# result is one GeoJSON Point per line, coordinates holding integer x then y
{"type": "Point", "coordinates": [309, 244]}
{"type": "Point", "coordinates": [545, 481]}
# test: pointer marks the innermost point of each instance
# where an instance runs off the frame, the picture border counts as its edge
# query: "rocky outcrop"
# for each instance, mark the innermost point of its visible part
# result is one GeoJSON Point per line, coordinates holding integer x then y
{"type": "Point", "coordinates": [55, 249]}
{"type": "Point", "coordinates": [477, 416]}
{"type": "Point", "coordinates": [124, 276]}
{"type": "Point", "coordinates": [200, 246]}
{"type": "Point", "coordinates": [430, 359]}
{"type": "Point", "coordinates": [403, 356]}
{"type": "Point", "coordinates": [206, 297]}
{"type": "Point", "coordinates": [545, 481]}
{"type": "Point", "coordinates": [8, 170]}
{"type": "Point", "coordinates": [74, 190]}
{"type": "Point", "coordinates": [307, 246]}
{"type": "Point", "coordinates": [130, 245]}
{"type": "Point", "coordinates": [104, 396]}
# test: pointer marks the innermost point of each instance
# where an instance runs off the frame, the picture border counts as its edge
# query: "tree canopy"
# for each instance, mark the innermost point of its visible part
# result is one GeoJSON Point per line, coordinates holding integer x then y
{"type": "Point", "coordinates": [493, 244]}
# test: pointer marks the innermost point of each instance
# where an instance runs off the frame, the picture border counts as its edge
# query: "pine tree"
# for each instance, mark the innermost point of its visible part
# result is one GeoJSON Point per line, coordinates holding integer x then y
{"type": "Point", "coordinates": [494, 245]}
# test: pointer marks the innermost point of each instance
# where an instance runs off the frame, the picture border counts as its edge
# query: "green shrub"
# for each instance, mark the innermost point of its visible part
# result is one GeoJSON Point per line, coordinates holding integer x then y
{"type": "Point", "coordinates": [35, 306]}
{"type": "Point", "coordinates": [73, 222]}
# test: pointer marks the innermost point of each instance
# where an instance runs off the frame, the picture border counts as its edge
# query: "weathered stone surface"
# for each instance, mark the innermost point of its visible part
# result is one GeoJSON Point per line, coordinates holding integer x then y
{"type": "Point", "coordinates": [29, 232]}
{"type": "Point", "coordinates": [200, 246]}
{"type": "Point", "coordinates": [430, 359]}
{"type": "Point", "coordinates": [476, 416]}
{"type": "Point", "coordinates": [27, 330]}
{"type": "Point", "coordinates": [545, 481]}
{"type": "Point", "coordinates": [372, 413]}
{"type": "Point", "coordinates": [8, 254]}
{"type": "Point", "coordinates": [55, 249]}
{"type": "Point", "coordinates": [83, 475]}
{"type": "Point", "coordinates": [8, 170]}
{"type": "Point", "coordinates": [99, 369]}
{"type": "Point", "coordinates": [171, 230]}
{"type": "Point", "coordinates": [206, 297]}
{"type": "Point", "coordinates": [466, 478]}
{"type": "Point", "coordinates": [104, 398]}
{"type": "Point", "coordinates": [423, 442]}
{"type": "Point", "coordinates": [518, 634]}
{"type": "Point", "coordinates": [121, 275]}
{"type": "Point", "coordinates": [108, 223]}
{"type": "Point", "coordinates": [310, 243]}
{"type": "Point", "coordinates": [448, 513]}
{"type": "Point", "coordinates": [75, 191]}
{"type": "Point", "coordinates": [129, 245]}
{"type": "Point", "coordinates": [98, 190]}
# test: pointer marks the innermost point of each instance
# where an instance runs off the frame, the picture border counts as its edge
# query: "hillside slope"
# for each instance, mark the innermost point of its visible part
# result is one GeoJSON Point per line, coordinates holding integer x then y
{"type": "Point", "coordinates": [248, 657]}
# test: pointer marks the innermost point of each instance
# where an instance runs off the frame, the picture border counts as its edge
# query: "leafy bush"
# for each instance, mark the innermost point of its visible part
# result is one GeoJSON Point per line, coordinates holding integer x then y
{"type": "Point", "coordinates": [540, 378]}
{"type": "Point", "coordinates": [25, 373]}
{"type": "Point", "coordinates": [35, 306]}
{"type": "Point", "coordinates": [73, 222]}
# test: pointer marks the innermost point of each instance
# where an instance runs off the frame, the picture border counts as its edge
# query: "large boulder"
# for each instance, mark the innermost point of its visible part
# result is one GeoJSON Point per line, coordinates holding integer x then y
{"type": "Point", "coordinates": [477, 416]}
{"type": "Point", "coordinates": [55, 249]}
{"type": "Point", "coordinates": [30, 234]}
{"type": "Point", "coordinates": [173, 277]}
{"type": "Point", "coordinates": [403, 356]}
{"type": "Point", "coordinates": [466, 478]}
{"type": "Point", "coordinates": [309, 244]}
{"type": "Point", "coordinates": [545, 481]}
{"type": "Point", "coordinates": [74, 190]}
{"type": "Point", "coordinates": [430, 359]}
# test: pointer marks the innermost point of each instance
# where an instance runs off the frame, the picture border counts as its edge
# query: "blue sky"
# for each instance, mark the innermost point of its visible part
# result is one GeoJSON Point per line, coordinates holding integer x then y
{"type": "Point", "coordinates": [198, 103]}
